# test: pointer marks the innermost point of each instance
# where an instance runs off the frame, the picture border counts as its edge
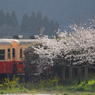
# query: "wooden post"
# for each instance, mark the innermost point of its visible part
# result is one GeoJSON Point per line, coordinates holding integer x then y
{"type": "Point", "coordinates": [63, 73]}
{"type": "Point", "coordinates": [70, 74]}
{"type": "Point", "coordinates": [79, 75]}
{"type": "Point", "coordinates": [86, 74]}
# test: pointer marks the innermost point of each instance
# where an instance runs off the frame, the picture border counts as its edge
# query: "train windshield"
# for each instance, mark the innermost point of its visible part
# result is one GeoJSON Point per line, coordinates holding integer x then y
{"type": "Point", "coordinates": [8, 53]}
{"type": "Point", "coordinates": [20, 53]}
{"type": "Point", "coordinates": [13, 52]}
{"type": "Point", "coordinates": [2, 54]}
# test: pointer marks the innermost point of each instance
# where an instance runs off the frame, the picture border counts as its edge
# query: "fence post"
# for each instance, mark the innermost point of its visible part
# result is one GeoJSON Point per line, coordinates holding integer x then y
{"type": "Point", "coordinates": [63, 73]}
{"type": "Point", "coordinates": [86, 74]}
{"type": "Point", "coordinates": [79, 75]}
{"type": "Point", "coordinates": [70, 74]}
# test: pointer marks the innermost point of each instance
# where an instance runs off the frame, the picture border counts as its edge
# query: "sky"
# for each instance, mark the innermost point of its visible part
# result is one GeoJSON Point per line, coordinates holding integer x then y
{"type": "Point", "coordinates": [58, 10]}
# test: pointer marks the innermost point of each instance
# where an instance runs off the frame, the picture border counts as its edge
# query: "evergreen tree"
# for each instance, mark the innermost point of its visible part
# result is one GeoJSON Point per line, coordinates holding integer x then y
{"type": "Point", "coordinates": [39, 19]}
{"type": "Point", "coordinates": [51, 28]}
{"type": "Point", "coordinates": [32, 24]}
{"type": "Point", "coordinates": [8, 19]}
{"type": "Point", "coordinates": [56, 26]}
{"type": "Point", "coordinates": [46, 24]}
{"type": "Point", "coordinates": [14, 19]}
{"type": "Point", "coordinates": [25, 23]}
{"type": "Point", "coordinates": [2, 18]}
{"type": "Point", "coordinates": [32, 18]}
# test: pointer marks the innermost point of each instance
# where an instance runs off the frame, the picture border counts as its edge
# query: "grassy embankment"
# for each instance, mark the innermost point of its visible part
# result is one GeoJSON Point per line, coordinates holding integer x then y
{"type": "Point", "coordinates": [50, 86]}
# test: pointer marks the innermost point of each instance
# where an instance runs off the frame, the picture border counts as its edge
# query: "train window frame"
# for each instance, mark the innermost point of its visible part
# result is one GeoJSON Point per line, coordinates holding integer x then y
{"type": "Point", "coordinates": [2, 54]}
{"type": "Point", "coordinates": [8, 53]}
{"type": "Point", "coordinates": [13, 52]}
{"type": "Point", "coordinates": [20, 52]}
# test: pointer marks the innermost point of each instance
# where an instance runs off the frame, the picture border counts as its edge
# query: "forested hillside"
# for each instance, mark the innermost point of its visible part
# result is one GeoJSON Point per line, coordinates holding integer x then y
{"type": "Point", "coordinates": [9, 25]}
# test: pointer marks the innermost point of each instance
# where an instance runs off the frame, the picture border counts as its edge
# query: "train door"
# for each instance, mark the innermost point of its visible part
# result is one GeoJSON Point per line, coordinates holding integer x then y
{"type": "Point", "coordinates": [9, 59]}
{"type": "Point", "coordinates": [5, 60]}
{"type": "Point", "coordinates": [20, 65]}
{"type": "Point", "coordinates": [2, 60]}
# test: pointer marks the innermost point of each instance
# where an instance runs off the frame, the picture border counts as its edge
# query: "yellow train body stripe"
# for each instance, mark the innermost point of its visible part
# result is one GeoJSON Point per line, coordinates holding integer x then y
{"type": "Point", "coordinates": [19, 69]}
{"type": "Point", "coordinates": [17, 63]}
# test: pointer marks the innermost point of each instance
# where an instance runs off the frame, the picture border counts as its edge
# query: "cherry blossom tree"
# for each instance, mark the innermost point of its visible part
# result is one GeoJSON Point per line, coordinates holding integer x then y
{"type": "Point", "coordinates": [75, 48]}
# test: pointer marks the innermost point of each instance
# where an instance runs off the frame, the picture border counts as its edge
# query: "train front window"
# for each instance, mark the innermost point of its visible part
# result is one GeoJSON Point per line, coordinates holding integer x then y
{"type": "Point", "coordinates": [8, 53]}
{"type": "Point", "coordinates": [2, 54]}
{"type": "Point", "coordinates": [20, 53]}
{"type": "Point", "coordinates": [13, 52]}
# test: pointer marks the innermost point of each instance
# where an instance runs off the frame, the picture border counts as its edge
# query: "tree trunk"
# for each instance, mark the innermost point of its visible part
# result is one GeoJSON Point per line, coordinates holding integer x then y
{"type": "Point", "coordinates": [63, 73]}
{"type": "Point", "coordinates": [86, 74]}
{"type": "Point", "coordinates": [79, 75]}
{"type": "Point", "coordinates": [70, 74]}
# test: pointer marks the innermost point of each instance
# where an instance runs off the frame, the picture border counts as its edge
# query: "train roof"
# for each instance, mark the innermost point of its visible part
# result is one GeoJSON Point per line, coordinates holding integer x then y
{"type": "Point", "coordinates": [27, 41]}
{"type": "Point", "coordinates": [5, 41]}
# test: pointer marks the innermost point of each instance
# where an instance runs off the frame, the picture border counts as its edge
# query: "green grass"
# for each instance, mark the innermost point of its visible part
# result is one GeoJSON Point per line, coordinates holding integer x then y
{"type": "Point", "coordinates": [51, 86]}
{"type": "Point", "coordinates": [82, 86]}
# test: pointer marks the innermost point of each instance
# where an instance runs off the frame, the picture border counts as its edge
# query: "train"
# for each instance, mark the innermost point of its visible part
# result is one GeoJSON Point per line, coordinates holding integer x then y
{"type": "Point", "coordinates": [11, 54]}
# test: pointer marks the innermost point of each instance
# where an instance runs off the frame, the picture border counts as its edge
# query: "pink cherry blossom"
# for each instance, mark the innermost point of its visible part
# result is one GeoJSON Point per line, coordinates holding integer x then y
{"type": "Point", "coordinates": [77, 47]}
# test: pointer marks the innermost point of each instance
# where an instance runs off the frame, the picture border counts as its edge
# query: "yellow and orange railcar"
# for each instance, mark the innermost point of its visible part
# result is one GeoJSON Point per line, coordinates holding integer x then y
{"type": "Point", "coordinates": [6, 63]}
{"type": "Point", "coordinates": [11, 54]}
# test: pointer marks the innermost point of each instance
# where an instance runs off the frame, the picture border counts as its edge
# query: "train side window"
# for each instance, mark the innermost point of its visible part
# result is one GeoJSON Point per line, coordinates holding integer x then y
{"type": "Point", "coordinates": [20, 53]}
{"type": "Point", "coordinates": [8, 53]}
{"type": "Point", "coordinates": [2, 54]}
{"type": "Point", "coordinates": [13, 52]}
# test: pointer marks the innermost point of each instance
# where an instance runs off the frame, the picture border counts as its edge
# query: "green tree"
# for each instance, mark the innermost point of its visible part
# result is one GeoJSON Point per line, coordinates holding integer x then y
{"type": "Point", "coordinates": [51, 31]}
{"type": "Point", "coordinates": [39, 19]}
{"type": "Point", "coordinates": [56, 26]}
{"type": "Point", "coordinates": [8, 19]}
{"type": "Point", "coordinates": [46, 24]}
{"type": "Point", "coordinates": [14, 19]}
{"type": "Point", "coordinates": [32, 24]}
{"type": "Point", "coordinates": [25, 23]}
{"type": "Point", "coordinates": [2, 18]}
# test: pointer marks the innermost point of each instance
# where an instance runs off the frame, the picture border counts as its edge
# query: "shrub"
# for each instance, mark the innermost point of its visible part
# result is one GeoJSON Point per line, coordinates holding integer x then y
{"type": "Point", "coordinates": [11, 83]}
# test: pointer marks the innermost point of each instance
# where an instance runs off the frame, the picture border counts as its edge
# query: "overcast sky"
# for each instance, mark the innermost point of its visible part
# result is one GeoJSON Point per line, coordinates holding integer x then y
{"type": "Point", "coordinates": [59, 10]}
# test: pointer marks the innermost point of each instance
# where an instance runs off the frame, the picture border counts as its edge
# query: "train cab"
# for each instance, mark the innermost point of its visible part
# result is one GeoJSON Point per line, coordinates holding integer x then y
{"type": "Point", "coordinates": [6, 65]}
{"type": "Point", "coordinates": [11, 55]}
{"type": "Point", "coordinates": [18, 46]}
